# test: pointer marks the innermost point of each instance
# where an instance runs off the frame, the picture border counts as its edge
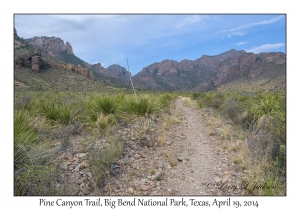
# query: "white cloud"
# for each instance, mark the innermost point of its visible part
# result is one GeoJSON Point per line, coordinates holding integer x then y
{"type": "Point", "coordinates": [80, 17]}
{"type": "Point", "coordinates": [250, 25]}
{"type": "Point", "coordinates": [266, 48]}
{"type": "Point", "coordinates": [190, 20]}
{"type": "Point", "coordinates": [241, 43]}
{"type": "Point", "coordinates": [244, 29]}
{"type": "Point", "coordinates": [240, 33]}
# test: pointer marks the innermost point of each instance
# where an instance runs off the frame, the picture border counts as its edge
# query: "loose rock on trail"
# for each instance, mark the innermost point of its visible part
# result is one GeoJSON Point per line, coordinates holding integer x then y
{"type": "Point", "coordinates": [189, 163]}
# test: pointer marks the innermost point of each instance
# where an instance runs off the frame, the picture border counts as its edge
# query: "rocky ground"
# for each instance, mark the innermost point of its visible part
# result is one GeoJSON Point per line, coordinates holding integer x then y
{"type": "Point", "coordinates": [188, 162]}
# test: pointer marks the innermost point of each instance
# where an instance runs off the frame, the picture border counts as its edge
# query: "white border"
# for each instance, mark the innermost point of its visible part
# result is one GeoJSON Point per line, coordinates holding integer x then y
{"type": "Point", "coordinates": [8, 201]}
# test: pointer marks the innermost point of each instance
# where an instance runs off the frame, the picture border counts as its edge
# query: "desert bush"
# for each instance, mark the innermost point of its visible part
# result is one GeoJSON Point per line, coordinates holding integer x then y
{"type": "Point", "coordinates": [165, 99]}
{"type": "Point", "coordinates": [196, 95]}
{"type": "Point", "coordinates": [209, 99]}
{"type": "Point", "coordinates": [142, 106]}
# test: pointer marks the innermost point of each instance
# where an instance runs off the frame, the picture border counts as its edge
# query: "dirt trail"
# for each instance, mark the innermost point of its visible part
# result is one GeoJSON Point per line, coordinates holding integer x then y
{"type": "Point", "coordinates": [203, 169]}
{"type": "Point", "coordinates": [189, 163]}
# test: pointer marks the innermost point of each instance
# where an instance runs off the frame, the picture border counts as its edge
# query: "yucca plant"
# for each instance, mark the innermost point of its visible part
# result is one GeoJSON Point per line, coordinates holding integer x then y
{"type": "Point", "coordinates": [24, 137]}
{"type": "Point", "coordinates": [55, 109]}
{"type": "Point", "coordinates": [66, 113]}
{"type": "Point", "coordinates": [266, 109]}
{"type": "Point", "coordinates": [107, 104]}
{"type": "Point", "coordinates": [142, 106]}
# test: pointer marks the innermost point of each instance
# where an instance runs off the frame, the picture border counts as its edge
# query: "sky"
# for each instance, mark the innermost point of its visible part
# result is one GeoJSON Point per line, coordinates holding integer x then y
{"type": "Point", "coordinates": [146, 39]}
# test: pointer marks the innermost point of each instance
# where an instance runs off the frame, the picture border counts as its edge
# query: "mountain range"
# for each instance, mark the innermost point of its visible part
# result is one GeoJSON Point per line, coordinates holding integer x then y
{"type": "Point", "coordinates": [203, 74]}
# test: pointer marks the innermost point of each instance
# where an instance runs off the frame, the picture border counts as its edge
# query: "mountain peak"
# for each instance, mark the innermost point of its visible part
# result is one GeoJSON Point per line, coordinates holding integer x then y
{"type": "Point", "coordinates": [209, 72]}
{"type": "Point", "coordinates": [51, 45]}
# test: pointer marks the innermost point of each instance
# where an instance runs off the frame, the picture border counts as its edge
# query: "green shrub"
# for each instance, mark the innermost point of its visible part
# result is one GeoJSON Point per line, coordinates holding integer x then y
{"type": "Point", "coordinates": [200, 104]}
{"type": "Point", "coordinates": [209, 99]}
{"type": "Point", "coordinates": [165, 100]}
{"type": "Point", "coordinates": [142, 106]}
{"type": "Point", "coordinates": [195, 96]}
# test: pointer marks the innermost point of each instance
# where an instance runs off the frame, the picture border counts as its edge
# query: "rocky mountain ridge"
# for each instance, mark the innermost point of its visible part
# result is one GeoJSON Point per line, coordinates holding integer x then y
{"type": "Point", "coordinates": [114, 70]}
{"type": "Point", "coordinates": [202, 74]}
{"type": "Point", "coordinates": [209, 72]}
{"type": "Point", "coordinates": [58, 49]}
{"type": "Point", "coordinates": [51, 45]}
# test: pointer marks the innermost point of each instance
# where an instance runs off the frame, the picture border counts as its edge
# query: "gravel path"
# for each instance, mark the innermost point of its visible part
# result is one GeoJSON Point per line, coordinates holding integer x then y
{"type": "Point", "coordinates": [202, 168]}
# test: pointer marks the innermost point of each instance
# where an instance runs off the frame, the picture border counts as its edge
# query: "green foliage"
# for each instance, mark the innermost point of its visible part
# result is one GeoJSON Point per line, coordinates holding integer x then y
{"type": "Point", "coordinates": [165, 100]}
{"type": "Point", "coordinates": [23, 101]}
{"type": "Point", "coordinates": [61, 81]}
{"type": "Point", "coordinates": [25, 137]}
{"type": "Point", "coordinates": [266, 112]}
{"type": "Point", "coordinates": [107, 104]}
{"type": "Point", "coordinates": [101, 160]}
{"type": "Point", "coordinates": [196, 95]}
{"type": "Point", "coordinates": [281, 158]}
{"type": "Point", "coordinates": [56, 109]}
{"type": "Point", "coordinates": [200, 104]}
{"type": "Point", "coordinates": [106, 121]}
{"type": "Point", "coordinates": [39, 180]}
{"type": "Point", "coordinates": [274, 184]}
{"type": "Point", "coordinates": [142, 106]}
{"type": "Point", "coordinates": [210, 99]}
{"type": "Point", "coordinates": [27, 170]}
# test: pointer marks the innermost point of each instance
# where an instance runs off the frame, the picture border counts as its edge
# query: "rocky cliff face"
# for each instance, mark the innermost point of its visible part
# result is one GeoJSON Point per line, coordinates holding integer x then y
{"type": "Point", "coordinates": [112, 71]}
{"type": "Point", "coordinates": [74, 68]}
{"type": "Point", "coordinates": [32, 59]}
{"type": "Point", "coordinates": [98, 68]}
{"type": "Point", "coordinates": [209, 72]}
{"type": "Point", "coordinates": [118, 71]}
{"type": "Point", "coordinates": [51, 45]}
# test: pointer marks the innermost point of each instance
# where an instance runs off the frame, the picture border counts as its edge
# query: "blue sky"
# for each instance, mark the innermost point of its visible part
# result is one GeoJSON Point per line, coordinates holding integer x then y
{"type": "Point", "coordinates": [145, 39]}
